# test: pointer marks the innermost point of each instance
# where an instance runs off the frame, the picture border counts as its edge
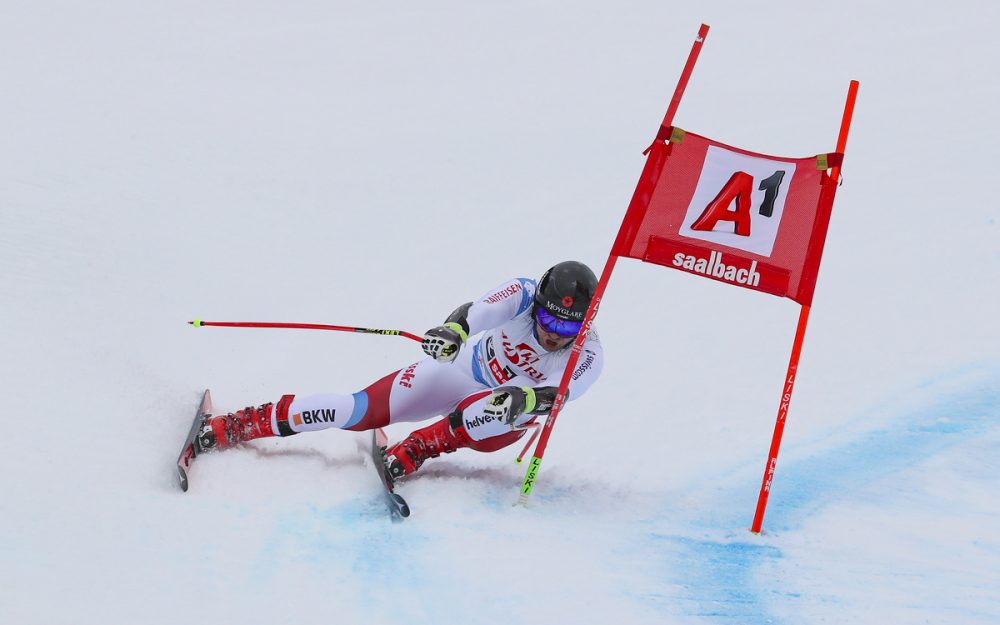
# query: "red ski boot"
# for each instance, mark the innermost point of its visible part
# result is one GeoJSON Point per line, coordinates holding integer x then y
{"type": "Point", "coordinates": [406, 456]}
{"type": "Point", "coordinates": [224, 431]}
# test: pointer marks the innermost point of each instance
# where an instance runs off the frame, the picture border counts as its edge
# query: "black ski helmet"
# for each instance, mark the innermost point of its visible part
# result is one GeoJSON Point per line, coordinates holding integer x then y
{"type": "Point", "coordinates": [566, 290]}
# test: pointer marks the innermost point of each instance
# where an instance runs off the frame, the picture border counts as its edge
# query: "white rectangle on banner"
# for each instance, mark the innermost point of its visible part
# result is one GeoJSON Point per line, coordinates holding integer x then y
{"type": "Point", "coordinates": [771, 179]}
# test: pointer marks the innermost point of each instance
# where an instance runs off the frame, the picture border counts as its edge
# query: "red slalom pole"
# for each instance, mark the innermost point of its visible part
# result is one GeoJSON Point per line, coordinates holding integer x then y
{"type": "Point", "coordinates": [304, 326]}
{"type": "Point", "coordinates": [675, 101]}
{"type": "Point", "coordinates": [800, 332]}
{"type": "Point", "coordinates": [779, 426]}
{"type": "Point", "coordinates": [536, 458]}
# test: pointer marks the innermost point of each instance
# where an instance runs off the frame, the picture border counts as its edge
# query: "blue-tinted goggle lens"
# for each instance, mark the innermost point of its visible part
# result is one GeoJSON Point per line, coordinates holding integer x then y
{"type": "Point", "coordinates": [561, 327]}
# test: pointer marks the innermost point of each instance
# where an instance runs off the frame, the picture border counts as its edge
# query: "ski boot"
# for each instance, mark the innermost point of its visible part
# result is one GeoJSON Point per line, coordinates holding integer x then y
{"type": "Point", "coordinates": [406, 456]}
{"type": "Point", "coordinates": [225, 431]}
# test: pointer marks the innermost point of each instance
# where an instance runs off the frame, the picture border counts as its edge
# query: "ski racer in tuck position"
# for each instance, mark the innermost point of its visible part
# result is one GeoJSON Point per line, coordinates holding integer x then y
{"type": "Point", "coordinates": [488, 390]}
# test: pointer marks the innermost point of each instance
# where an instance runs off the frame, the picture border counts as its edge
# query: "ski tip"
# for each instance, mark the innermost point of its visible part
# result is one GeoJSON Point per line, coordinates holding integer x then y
{"type": "Point", "coordinates": [198, 323]}
{"type": "Point", "coordinates": [182, 476]}
{"type": "Point", "coordinates": [401, 507]}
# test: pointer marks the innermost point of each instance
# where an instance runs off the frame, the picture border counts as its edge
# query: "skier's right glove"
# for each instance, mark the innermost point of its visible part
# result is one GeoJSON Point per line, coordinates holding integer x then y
{"type": "Point", "coordinates": [507, 403]}
{"type": "Point", "coordinates": [443, 342]}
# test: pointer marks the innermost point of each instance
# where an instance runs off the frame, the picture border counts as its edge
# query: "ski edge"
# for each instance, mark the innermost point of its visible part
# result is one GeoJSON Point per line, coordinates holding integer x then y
{"type": "Point", "coordinates": [189, 451]}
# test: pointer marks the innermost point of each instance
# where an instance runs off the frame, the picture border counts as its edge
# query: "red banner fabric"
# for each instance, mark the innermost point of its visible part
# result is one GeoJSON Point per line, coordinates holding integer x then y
{"type": "Point", "coordinates": [724, 213]}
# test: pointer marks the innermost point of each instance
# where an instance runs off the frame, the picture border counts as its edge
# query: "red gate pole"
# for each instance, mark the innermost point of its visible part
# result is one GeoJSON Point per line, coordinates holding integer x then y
{"type": "Point", "coordinates": [536, 459]}
{"type": "Point", "coordinates": [779, 426]}
{"type": "Point", "coordinates": [675, 101]}
{"type": "Point", "coordinates": [800, 332]}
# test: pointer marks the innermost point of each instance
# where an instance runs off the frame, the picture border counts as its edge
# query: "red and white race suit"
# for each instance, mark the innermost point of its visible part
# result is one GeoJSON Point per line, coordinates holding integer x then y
{"type": "Point", "coordinates": [503, 350]}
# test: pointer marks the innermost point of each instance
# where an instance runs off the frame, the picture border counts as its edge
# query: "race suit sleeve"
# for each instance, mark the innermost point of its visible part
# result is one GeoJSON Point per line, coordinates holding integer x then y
{"type": "Point", "coordinates": [496, 307]}
{"type": "Point", "coordinates": [588, 367]}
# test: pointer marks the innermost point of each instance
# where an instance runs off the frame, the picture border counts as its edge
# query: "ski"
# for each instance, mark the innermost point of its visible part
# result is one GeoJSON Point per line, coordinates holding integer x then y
{"type": "Point", "coordinates": [190, 450]}
{"type": "Point", "coordinates": [397, 505]}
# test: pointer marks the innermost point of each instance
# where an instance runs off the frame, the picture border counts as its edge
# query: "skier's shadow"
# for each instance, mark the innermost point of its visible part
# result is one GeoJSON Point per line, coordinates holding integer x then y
{"type": "Point", "coordinates": [311, 454]}
{"type": "Point", "coordinates": [490, 475]}
{"type": "Point", "coordinates": [494, 476]}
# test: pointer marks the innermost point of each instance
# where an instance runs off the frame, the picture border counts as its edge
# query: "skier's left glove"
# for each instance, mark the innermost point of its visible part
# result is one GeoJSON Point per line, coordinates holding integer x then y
{"type": "Point", "coordinates": [443, 342]}
{"type": "Point", "coordinates": [507, 403]}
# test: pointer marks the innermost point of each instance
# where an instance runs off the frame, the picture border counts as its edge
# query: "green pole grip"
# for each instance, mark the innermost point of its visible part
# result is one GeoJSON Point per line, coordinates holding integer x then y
{"type": "Point", "coordinates": [528, 484]}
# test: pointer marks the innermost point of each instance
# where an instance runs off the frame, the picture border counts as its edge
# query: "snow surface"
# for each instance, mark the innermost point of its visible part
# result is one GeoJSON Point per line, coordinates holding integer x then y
{"type": "Point", "coordinates": [371, 164]}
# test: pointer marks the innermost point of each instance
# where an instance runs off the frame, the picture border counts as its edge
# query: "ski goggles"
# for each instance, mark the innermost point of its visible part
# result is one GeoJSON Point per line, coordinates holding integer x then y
{"type": "Point", "coordinates": [551, 323]}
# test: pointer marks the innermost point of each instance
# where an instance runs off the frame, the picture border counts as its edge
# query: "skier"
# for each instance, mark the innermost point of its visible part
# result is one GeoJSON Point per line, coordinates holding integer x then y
{"type": "Point", "coordinates": [488, 390]}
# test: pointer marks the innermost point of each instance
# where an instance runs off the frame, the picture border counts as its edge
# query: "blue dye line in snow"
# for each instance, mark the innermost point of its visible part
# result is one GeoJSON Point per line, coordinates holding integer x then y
{"type": "Point", "coordinates": [812, 482]}
{"type": "Point", "coordinates": [709, 571]}
{"type": "Point", "coordinates": [341, 544]}
{"type": "Point", "coordinates": [719, 576]}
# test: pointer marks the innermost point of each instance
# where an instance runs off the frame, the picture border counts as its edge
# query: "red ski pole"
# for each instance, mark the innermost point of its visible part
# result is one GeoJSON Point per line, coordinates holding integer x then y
{"type": "Point", "coordinates": [198, 323]}
{"type": "Point", "coordinates": [537, 428]}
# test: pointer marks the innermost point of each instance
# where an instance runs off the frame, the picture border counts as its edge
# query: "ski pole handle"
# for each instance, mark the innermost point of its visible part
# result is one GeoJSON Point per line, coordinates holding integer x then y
{"type": "Point", "coordinates": [198, 323]}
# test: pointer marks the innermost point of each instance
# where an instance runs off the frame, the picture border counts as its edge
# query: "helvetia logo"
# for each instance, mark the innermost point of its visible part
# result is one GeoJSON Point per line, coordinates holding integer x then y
{"type": "Point", "coordinates": [478, 421]}
{"type": "Point", "coordinates": [715, 266]}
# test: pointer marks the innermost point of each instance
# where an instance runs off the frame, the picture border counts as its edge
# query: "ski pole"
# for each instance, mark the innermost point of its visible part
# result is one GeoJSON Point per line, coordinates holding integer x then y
{"type": "Point", "coordinates": [198, 323]}
{"type": "Point", "coordinates": [534, 426]}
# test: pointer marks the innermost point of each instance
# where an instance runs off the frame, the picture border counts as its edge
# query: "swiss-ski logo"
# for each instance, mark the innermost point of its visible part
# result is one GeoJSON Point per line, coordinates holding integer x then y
{"type": "Point", "coordinates": [407, 378]}
{"type": "Point", "coordinates": [522, 356]}
{"type": "Point", "coordinates": [716, 267]}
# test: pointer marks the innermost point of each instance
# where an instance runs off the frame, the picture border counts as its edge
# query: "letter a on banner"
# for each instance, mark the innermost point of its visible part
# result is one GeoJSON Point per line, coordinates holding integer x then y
{"type": "Point", "coordinates": [737, 189]}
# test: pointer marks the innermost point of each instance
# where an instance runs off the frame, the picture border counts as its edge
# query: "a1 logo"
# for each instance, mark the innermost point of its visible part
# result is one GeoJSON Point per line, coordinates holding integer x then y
{"type": "Point", "coordinates": [739, 201]}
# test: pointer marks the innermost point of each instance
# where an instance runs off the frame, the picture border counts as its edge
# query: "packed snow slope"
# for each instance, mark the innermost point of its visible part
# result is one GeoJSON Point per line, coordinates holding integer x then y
{"type": "Point", "coordinates": [377, 165]}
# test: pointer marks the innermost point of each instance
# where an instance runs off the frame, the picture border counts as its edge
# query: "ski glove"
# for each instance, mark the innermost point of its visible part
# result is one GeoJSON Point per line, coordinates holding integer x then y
{"type": "Point", "coordinates": [443, 342]}
{"type": "Point", "coordinates": [509, 402]}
